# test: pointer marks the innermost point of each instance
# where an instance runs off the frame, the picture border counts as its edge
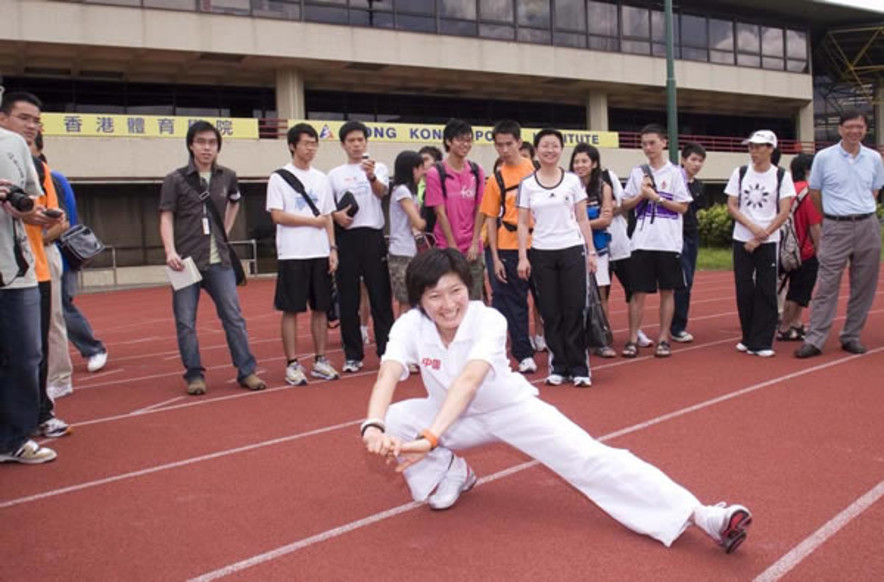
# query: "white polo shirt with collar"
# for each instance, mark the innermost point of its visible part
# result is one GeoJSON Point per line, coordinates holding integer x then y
{"type": "Point", "coordinates": [414, 339]}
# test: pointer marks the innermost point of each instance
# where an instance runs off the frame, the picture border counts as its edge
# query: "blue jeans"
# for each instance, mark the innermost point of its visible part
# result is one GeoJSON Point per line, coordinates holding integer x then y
{"type": "Point", "coordinates": [79, 331]}
{"type": "Point", "coordinates": [511, 299]}
{"type": "Point", "coordinates": [20, 354]}
{"type": "Point", "coordinates": [683, 296]}
{"type": "Point", "coordinates": [220, 283]}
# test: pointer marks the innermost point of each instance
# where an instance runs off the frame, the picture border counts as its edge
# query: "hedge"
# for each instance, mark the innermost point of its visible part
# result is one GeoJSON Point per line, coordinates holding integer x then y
{"type": "Point", "coordinates": [716, 226]}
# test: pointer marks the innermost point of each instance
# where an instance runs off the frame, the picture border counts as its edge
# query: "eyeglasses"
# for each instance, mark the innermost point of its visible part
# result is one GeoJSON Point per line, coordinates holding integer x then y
{"type": "Point", "coordinates": [463, 139]}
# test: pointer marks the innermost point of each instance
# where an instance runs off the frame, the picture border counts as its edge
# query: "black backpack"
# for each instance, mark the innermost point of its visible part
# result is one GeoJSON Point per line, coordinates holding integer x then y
{"type": "Point", "coordinates": [427, 212]}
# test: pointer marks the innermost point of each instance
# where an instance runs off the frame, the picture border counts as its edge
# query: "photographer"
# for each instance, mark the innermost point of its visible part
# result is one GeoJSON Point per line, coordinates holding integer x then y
{"type": "Point", "coordinates": [20, 351]}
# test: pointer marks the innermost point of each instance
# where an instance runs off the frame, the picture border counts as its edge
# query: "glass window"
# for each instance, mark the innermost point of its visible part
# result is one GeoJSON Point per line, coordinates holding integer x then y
{"type": "Point", "coordinates": [534, 35]}
{"type": "Point", "coordinates": [501, 10]}
{"type": "Point", "coordinates": [577, 40]}
{"type": "Point", "coordinates": [242, 7]}
{"type": "Point", "coordinates": [416, 23]}
{"type": "Point", "coordinates": [772, 63]}
{"type": "Point", "coordinates": [721, 57]}
{"type": "Point", "coordinates": [373, 18]}
{"type": "Point", "coordinates": [721, 35]}
{"type": "Point", "coordinates": [415, 6]}
{"type": "Point", "coordinates": [658, 29]}
{"type": "Point", "coordinates": [748, 38]}
{"type": "Point", "coordinates": [328, 14]}
{"type": "Point", "coordinates": [795, 66]}
{"type": "Point", "coordinates": [694, 54]}
{"type": "Point", "coordinates": [373, 5]}
{"type": "Point", "coordinates": [463, 9]}
{"type": "Point", "coordinates": [498, 31]}
{"type": "Point", "coordinates": [636, 22]}
{"type": "Point", "coordinates": [796, 44]}
{"type": "Point", "coordinates": [116, 2]}
{"type": "Point", "coordinates": [602, 18]}
{"type": "Point", "coordinates": [693, 31]}
{"type": "Point", "coordinates": [745, 60]}
{"type": "Point", "coordinates": [604, 43]}
{"type": "Point", "coordinates": [534, 13]}
{"type": "Point", "coordinates": [173, 4]}
{"type": "Point", "coordinates": [772, 41]}
{"type": "Point", "coordinates": [275, 9]}
{"type": "Point", "coordinates": [636, 47]}
{"type": "Point", "coordinates": [457, 27]}
{"type": "Point", "coordinates": [570, 15]}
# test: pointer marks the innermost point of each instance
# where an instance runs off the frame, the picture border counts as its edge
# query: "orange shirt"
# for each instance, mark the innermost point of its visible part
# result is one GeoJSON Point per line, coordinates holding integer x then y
{"type": "Point", "coordinates": [512, 175]}
{"type": "Point", "coordinates": [35, 231]}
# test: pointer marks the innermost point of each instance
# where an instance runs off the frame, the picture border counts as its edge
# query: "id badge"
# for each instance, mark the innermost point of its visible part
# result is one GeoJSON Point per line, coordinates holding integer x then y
{"type": "Point", "coordinates": [206, 225]}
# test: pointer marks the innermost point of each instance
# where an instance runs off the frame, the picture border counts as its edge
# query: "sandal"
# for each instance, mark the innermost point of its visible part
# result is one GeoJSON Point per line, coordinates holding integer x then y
{"type": "Point", "coordinates": [630, 350]}
{"type": "Point", "coordinates": [784, 336]}
{"type": "Point", "coordinates": [606, 352]}
{"type": "Point", "coordinates": [663, 350]}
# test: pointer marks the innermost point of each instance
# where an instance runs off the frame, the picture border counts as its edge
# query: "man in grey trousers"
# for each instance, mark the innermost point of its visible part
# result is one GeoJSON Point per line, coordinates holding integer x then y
{"type": "Point", "coordinates": [843, 182]}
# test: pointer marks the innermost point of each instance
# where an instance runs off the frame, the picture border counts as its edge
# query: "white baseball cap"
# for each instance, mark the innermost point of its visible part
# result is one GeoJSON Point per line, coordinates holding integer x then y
{"type": "Point", "coordinates": [762, 136]}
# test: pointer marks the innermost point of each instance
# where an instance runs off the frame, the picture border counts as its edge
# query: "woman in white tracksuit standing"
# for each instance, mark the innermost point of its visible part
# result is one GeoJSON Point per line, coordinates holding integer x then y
{"type": "Point", "coordinates": [474, 398]}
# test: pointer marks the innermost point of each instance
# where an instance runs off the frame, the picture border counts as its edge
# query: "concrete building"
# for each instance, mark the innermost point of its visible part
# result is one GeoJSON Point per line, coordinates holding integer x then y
{"type": "Point", "coordinates": [574, 64]}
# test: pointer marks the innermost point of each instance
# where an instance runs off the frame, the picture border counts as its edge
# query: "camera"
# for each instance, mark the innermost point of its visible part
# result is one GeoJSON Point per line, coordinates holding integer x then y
{"type": "Point", "coordinates": [19, 199]}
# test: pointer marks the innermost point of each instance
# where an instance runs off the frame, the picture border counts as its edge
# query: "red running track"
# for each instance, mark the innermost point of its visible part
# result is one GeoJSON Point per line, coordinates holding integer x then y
{"type": "Point", "coordinates": [155, 485]}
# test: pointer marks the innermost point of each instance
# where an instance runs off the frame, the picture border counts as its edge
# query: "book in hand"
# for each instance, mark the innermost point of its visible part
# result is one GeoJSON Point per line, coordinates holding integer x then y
{"type": "Point", "coordinates": [190, 275]}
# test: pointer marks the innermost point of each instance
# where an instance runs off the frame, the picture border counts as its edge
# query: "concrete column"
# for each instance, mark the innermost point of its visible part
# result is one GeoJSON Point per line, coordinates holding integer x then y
{"type": "Point", "coordinates": [597, 111]}
{"type": "Point", "coordinates": [879, 115]}
{"type": "Point", "coordinates": [805, 125]}
{"type": "Point", "coordinates": [290, 94]}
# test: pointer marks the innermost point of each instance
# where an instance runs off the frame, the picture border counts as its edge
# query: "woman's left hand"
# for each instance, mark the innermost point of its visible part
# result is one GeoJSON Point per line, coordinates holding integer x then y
{"type": "Point", "coordinates": [411, 452]}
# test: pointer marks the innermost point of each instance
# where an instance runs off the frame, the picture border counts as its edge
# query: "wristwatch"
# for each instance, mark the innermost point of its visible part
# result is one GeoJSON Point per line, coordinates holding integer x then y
{"type": "Point", "coordinates": [372, 178]}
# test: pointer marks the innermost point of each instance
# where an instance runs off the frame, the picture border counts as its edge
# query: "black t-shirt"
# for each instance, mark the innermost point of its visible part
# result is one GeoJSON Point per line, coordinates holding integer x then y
{"type": "Point", "coordinates": [691, 225]}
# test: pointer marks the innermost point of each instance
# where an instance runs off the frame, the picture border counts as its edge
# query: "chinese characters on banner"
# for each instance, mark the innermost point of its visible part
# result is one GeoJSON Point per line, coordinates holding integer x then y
{"type": "Point", "coordinates": [97, 125]}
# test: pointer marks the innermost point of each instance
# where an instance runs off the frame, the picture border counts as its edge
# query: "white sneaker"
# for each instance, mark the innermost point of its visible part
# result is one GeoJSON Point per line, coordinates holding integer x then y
{"type": "Point", "coordinates": [352, 366]}
{"type": "Point", "coordinates": [56, 391]}
{"type": "Point", "coordinates": [294, 374]}
{"type": "Point", "coordinates": [29, 453]}
{"type": "Point", "coordinates": [97, 362]}
{"type": "Point", "coordinates": [741, 347]}
{"type": "Point", "coordinates": [54, 428]}
{"type": "Point", "coordinates": [460, 478]}
{"type": "Point", "coordinates": [528, 366]}
{"type": "Point", "coordinates": [582, 381]}
{"type": "Point", "coordinates": [764, 353]}
{"type": "Point", "coordinates": [683, 337]}
{"type": "Point", "coordinates": [555, 380]}
{"type": "Point", "coordinates": [539, 343]}
{"type": "Point", "coordinates": [365, 339]}
{"type": "Point", "coordinates": [322, 369]}
{"type": "Point", "coordinates": [726, 524]}
{"type": "Point", "coordinates": [643, 340]}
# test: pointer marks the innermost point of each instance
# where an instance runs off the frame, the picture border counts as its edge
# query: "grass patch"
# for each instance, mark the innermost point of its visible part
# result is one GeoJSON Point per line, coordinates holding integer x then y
{"type": "Point", "coordinates": [715, 259]}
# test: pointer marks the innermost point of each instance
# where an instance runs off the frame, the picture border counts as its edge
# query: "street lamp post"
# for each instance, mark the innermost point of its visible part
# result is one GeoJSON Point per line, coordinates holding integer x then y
{"type": "Point", "coordinates": [671, 107]}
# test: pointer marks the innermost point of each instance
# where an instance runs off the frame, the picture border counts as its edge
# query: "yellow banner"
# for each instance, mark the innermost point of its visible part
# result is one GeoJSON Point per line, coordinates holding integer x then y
{"type": "Point", "coordinates": [432, 134]}
{"type": "Point", "coordinates": [96, 125]}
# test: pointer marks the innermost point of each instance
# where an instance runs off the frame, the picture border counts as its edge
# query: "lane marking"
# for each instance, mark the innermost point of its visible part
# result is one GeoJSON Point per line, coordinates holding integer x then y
{"type": "Point", "coordinates": [785, 564]}
{"type": "Point", "coordinates": [335, 532]}
{"type": "Point", "coordinates": [157, 405]}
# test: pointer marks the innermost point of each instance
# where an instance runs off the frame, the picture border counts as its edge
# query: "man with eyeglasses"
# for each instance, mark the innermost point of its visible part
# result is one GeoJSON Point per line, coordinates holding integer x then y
{"type": "Point", "coordinates": [844, 181]}
{"type": "Point", "coordinates": [454, 190]}
{"type": "Point", "coordinates": [189, 228]}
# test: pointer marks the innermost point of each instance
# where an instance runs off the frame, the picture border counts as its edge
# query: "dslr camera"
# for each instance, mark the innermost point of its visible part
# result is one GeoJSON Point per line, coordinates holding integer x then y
{"type": "Point", "coordinates": [19, 199]}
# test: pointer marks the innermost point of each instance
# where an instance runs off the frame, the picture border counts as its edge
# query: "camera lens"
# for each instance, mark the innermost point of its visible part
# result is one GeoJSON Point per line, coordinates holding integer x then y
{"type": "Point", "coordinates": [19, 200]}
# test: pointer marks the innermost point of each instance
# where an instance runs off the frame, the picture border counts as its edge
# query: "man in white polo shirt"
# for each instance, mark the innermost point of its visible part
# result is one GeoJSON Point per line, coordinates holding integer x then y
{"type": "Point", "coordinates": [843, 182]}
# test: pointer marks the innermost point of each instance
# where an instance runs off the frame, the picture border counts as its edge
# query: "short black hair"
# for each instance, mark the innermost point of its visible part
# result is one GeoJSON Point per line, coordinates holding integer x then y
{"type": "Point", "coordinates": [527, 145]}
{"type": "Point", "coordinates": [425, 270]}
{"type": "Point", "coordinates": [548, 131]}
{"type": "Point", "coordinates": [655, 128]}
{"type": "Point", "coordinates": [775, 156]}
{"type": "Point", "coordinates": [296, 131]}
{"type": "Point", "coordinates": [800, 166]}
{"type": "Point", "coordinates": [692, 148]}
{"type": "Point", "coordinates": [200, 126]}
{"type": "Point", "coordinates": [506, 127]}
{"type": "Point", "coordinates": [10, 99]}
{"type": "Point", "coordinates": [454, 129]}
{"type": "Point", "coordinates": [403, 169]}
{"type": "Point", "coordinates": [431, 151]}
{"type": "Point", "coordinates": [350, 127]}
{"type": "Point", "coordinates": [850, 115]}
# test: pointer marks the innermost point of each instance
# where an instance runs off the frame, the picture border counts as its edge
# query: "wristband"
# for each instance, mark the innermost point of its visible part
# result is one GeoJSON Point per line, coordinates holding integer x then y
{"type": "Point", "coordinates": [429, 437]}
{"type": "Point", "coordinates": [592, 253]}
{"type": "Point", "coordinates": [372, 422]}
{"type": "Point", "coordinates": [333, 247]}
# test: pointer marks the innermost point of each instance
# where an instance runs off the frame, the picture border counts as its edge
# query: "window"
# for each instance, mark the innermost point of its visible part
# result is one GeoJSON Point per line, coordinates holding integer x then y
{"type": "Point", "coordinates": [415, 6]}
{"type": "Point", "coordinates": [533, 13]}
{"type": "Point", "coordinates": [748, 45]}
{"type": "Point", "coordinates": [461, 9]}
{"type": "Point", "coordinates": [287, 9]}
{"type": "Point", "coordinates": [636, 22]}
{"type": "Point", "coordinates": [658, 34]}
{"type": "Point", "coordinates": [796, 51]}
{"type": "Point", "coordinates": [327, 14]}
{"type": "Point", "coordinates": [570, 15]}
{"type": "Point", "coordinates": [772, 48]}
{"type": "Point", "coordinates": [603, 25]}
{"type": "Point", "coordinates": [496, 10]}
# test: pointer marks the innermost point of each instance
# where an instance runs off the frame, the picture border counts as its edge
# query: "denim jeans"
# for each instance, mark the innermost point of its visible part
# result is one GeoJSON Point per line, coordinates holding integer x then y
{"type": "Point", "coordinates": [683, 296]}
{"type": "Point", "coordinates": [20, 355]}
{"type": "Point", "coordinates": [511, 299]}
{"type": "Point", "coordinates": [220, 283]}
{"type": "Point", "coordinates": [79, 331]}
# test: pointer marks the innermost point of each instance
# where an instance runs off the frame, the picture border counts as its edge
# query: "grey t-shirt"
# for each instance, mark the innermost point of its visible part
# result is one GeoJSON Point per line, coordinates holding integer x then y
{"type": "Point", "coordinates": [17, 166]}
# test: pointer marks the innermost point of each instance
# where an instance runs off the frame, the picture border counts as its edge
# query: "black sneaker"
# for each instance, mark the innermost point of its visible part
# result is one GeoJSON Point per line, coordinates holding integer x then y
{"type": "Point", "coordinates": [807, 351]}
{"type": "Point", "coordinates": [853, 347]}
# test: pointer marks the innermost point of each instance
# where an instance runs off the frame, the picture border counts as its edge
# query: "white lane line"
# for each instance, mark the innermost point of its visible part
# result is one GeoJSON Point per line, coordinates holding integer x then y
{"type": "Point", "coordinates": [335, 532]}
{"type": "Point", "coordinates": [137, 341]}
{"type": "Point", "coordinates": [820, 536]}
{"type": "Point", "coordinates": [96, 375]}
{"type": "Point", "coordinates": [174, 465]}
{"type": "Point", "coordinates": [157, 405]}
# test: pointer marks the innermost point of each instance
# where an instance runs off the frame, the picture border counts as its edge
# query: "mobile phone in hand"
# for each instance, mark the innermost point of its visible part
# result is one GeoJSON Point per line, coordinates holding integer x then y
{"type": "Point", "coordinates": [53, 213]}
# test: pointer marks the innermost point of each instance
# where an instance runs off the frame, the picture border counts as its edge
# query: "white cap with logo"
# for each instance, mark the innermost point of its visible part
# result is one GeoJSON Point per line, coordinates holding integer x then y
{"type": "Point", "coordinates": [762, 136]}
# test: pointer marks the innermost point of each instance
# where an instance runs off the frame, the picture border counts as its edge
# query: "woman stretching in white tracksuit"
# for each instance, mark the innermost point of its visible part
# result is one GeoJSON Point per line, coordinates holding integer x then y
{"type": "Point", "coordinates": [474, 398]}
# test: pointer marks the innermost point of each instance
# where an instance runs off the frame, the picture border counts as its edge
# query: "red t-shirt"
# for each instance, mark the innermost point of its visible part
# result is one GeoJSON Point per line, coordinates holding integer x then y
{"type": "Point", "coordinates": [806, 215]}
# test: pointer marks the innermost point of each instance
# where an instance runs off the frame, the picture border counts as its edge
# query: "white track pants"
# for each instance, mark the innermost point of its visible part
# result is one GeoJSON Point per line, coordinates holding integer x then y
{"type": "Point", "coordinates": [633, 492]}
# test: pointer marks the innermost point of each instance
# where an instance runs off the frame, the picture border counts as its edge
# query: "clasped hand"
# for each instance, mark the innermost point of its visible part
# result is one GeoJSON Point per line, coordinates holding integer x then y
{"type": "Point", "coordinates": [405, 454]}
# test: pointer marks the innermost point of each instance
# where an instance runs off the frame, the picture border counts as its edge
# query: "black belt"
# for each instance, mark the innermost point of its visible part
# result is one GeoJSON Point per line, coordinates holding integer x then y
{"type": "Point", "coordinates": [849, 217]}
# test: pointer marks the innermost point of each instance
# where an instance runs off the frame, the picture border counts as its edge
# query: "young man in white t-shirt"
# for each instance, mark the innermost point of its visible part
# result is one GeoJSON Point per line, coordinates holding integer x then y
{"type": "Point", "coordinates": [306, 251]}
{"type": "Point", "coordinates": [759, 198]}
{"type": "Point", "coordinates": [658, 194]}
{"type": "Point", "coordinates": [361, 238]}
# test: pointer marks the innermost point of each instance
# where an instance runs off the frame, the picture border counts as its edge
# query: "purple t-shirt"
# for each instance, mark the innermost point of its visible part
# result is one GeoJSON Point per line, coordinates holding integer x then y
{"type": "Point", "coordinates": [461, 204]}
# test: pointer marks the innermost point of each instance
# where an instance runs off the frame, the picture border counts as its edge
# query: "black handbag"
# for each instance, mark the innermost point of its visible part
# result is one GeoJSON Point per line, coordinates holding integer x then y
{"type": "Point", "coordinates": [347, 199]}
{"type": "Point", "coordinates": [79, 245]}
{"type": "Point", "coordinates": [597, 327]}
{"type": "Point", "coordinates": [238, 271]}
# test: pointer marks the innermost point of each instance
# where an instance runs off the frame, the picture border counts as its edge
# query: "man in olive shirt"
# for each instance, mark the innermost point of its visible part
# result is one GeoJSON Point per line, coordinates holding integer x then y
{"type": "Point", "coordinates": [189, 229]}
